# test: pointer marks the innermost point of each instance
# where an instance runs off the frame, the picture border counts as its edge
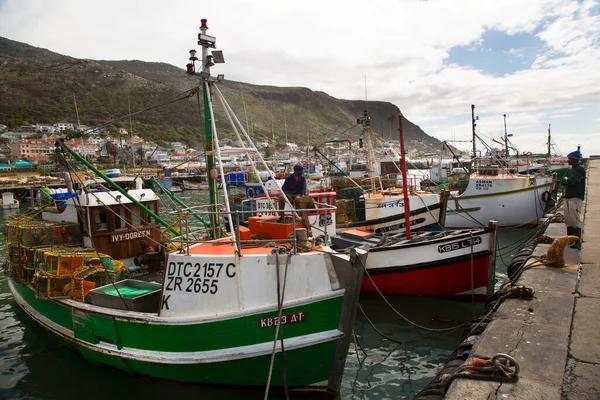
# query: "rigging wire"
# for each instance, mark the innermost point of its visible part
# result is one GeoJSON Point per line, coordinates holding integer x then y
{"type": "Point", "coordinates": [178, 97]}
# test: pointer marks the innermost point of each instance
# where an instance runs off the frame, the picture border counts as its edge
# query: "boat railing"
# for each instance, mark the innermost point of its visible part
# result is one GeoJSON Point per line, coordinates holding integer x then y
{"type": "Point", "coordinates": [297, 239]}
{"type": "Point", "coordinates": [319, 208]}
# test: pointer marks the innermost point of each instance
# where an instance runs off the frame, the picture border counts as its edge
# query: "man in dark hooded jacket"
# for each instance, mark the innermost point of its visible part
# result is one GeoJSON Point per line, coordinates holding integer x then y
{"type": "Point", "coordinates": [574, 183]}
{"type": "Point", "coordinates": [294, 186]}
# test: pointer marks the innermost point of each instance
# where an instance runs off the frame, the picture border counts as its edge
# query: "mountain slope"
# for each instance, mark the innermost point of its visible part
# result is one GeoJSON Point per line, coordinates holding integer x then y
{"type": "Point", "coordinates": [37, 85]}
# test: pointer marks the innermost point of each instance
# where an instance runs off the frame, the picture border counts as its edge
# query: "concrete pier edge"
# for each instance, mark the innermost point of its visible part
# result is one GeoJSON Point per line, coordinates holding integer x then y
{"type": "Point", "coordinates": [555, 337]}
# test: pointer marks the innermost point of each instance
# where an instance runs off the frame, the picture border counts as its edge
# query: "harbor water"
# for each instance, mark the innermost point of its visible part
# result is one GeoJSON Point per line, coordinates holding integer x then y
{"type": "Point", "coordinates": [398, 351]}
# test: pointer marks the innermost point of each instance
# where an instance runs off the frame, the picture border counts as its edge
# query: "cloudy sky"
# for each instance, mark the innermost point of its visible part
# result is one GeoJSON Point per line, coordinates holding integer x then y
{"type": "Point", "coordinates": [537, 61]}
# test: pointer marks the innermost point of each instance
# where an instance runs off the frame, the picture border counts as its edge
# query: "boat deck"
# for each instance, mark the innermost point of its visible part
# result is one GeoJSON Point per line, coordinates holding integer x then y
{"type": "Point", "coordinates": [155, 276]}
{"type": "Point", "coordinates": [360, 237]}
{"type": "Point", "coordinates": [226, 248]}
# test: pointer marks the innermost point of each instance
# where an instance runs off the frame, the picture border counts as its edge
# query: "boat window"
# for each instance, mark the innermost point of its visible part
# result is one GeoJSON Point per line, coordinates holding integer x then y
{"type": "Point", "coordinates": [101, 220]}
{"type": "Point", "coordinates": [119, 218]}
{"type": "Point", "coordinates": [145, 217]}
{"type": "Point", "coordinates": [136, 217]}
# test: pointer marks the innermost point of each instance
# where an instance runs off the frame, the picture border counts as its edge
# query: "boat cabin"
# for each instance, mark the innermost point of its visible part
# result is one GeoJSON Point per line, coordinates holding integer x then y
{"type": "Point", "coordinates": [111, 223]}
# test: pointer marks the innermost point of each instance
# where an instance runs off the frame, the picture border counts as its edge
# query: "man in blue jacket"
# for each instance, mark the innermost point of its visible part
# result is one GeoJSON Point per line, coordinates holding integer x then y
{"type": "Point", "coordinates": [574, 183]}
{"type": "Point", "coordinates": [293, 187]}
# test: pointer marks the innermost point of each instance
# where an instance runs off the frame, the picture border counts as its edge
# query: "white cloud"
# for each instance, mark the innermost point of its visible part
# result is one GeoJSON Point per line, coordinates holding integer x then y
{"type": "Point", "coordinates": [398, 46]}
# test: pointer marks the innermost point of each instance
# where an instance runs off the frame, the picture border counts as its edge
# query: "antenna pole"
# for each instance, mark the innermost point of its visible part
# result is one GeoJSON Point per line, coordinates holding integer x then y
{"type": "Point", "coordinates": [505, 138]}
{"type": "Point", "coordinates": [212, 172]}
{"type": "Point", "coordinates": [366, 98]}
{"type": "Point", "coordinates": [549, 143]}
{"type": "Point", "coordinates": [285, 127]}
{"type": "Point", "coordinates": [130, 128]}
{"type": "Point", "coordinates": [404, 178]}
{"type": "Point", "coordinates": [474, 156]}
{"type": "Point", "coordinates": [76, 112]}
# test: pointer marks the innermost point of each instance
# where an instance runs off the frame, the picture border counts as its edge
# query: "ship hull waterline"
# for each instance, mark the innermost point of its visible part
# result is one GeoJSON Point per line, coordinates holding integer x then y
{"type": "Point", "coordinates": [308, 357]}
{"type": "Point", "coordinates": [462, 278]}
{"type": "Point", "coordinates": [456, 264]}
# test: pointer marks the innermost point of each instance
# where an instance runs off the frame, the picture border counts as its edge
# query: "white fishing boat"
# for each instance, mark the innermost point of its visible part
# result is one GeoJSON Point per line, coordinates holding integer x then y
{"type": "Point", "coordinates": [315, 176]}
{"type": "Point", "coordinates": [511, 199]}
{"type": "Point", "coordinates": [268, 305]}
{"type": "Point", "coordinates": [494, 192]}
{"type": "Point", "coordinates": [456, 263]}
{"type": "Point", "coordinates": [189, 185]}
{"type": "Point", "coordinates": [384, 205]}
{"type": "Point", "coordinates": [176, 188]}
{"type": "Point", "coordinates": [113, 172]}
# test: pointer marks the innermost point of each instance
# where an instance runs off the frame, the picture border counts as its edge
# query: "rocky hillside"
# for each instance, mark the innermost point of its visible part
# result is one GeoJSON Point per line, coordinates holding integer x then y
{"type": "Point", "coordinates": [37, 85]}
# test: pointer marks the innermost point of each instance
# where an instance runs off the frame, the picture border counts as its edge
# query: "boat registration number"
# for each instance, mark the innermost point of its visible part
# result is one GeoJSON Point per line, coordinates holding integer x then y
{"type": "Point", "coordinates": [286, 319]}
{"type": "Point", "coordinates": [389, 204]}
{"type": "Point", "coordinates": [461, 244]}
{"type": "Point", "coordinates": [483, 184]}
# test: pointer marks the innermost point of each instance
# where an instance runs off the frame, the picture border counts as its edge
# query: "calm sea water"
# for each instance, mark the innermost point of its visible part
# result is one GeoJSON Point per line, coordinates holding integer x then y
{"type": "Point", "coordinates": [33, 365]}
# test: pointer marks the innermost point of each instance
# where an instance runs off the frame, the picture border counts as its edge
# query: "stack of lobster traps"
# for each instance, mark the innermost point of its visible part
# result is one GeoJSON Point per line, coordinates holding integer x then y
{"type": "Point", "coordinates": [51, 257]}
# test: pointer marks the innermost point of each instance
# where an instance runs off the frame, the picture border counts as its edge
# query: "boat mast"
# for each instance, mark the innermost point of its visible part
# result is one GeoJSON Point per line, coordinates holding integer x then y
{"type": "Point", "coordinates": [366, 123]}
{"type": "Point", "coordinates": [505, 140]}
{"type": "Point", "coordinates": [130, 127]}
{"type": "Point", "coordinates": [307, 151]}
{"type": "Point", "coordinates": [208, 41]}
{"type": "Point", "coordinates": [285, 127]}
{"type": "Point", "coordinates": [549, 143]}
{"type": "Point", "coordinates": [404, 179]}
{"type": "Point", "coordinates": [122, 157]}
{"type": "Point", "coordinates": [474, 155]}
{"type": "Point", "coordinates": [76, 112]}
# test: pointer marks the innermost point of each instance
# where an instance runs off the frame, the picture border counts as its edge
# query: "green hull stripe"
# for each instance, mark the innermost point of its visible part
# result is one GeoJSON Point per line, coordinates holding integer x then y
{"type": "Point", "coordinates": [244, 331]}
{"type": "Point", "coordinates": [305, 366]}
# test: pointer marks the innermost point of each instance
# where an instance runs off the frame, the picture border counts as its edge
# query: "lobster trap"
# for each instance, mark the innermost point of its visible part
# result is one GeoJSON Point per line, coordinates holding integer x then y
{"type": "Point", "coordinates": [20, 274]}
{"type": "Point", "coordinates": [90, 278]}
{"type": "Point", "coordinates": [67, 261]}
{"type": "Point", "coordinates": [52, 287]}
{"type": "Point", "coordinates": [21, 231]}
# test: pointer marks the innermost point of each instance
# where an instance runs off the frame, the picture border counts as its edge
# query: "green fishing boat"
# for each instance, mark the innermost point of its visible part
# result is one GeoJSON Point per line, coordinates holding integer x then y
{"type": "Point", "coordinates": [266, 305]}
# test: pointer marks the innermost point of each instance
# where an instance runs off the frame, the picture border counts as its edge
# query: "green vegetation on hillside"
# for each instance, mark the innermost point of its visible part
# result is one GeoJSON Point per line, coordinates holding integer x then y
{"type": "Point", "coordinates": [37, 86]}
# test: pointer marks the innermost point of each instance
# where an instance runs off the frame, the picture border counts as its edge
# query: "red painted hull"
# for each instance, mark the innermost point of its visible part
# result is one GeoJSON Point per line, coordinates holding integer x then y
{"type": "Point", "coordinates": [451, 279]}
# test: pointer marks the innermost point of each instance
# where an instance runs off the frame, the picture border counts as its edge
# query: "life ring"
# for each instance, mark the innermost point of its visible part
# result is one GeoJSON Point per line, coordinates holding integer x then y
{"type": "Point", "coordinates": [527, 154]}
{"type": "Point", "coordinates": [546, 196]}
{"type": "Point", "coordinates": [251, 193]}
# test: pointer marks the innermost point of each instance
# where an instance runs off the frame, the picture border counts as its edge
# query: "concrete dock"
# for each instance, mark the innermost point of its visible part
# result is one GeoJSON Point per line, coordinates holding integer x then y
{"type": "Point", "coordinates": [555, 337]}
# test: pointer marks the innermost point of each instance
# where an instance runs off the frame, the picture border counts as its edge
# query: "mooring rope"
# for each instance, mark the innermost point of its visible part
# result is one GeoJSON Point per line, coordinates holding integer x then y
{"type": "Point", "coordinates": [400, 314]}
{"type": "Point", "coordinates": [278, 327]}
